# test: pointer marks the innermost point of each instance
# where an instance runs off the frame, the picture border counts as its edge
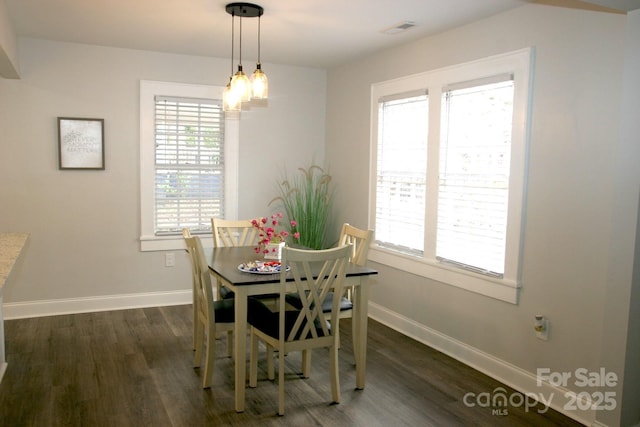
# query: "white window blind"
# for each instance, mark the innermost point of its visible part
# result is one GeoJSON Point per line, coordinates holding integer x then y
{"type": "Point", "coordinates": [473, 190]}
{"type": "Point", "coordinates": [189, 164]}
{"type": "Point", "coordinates": [402, 172]}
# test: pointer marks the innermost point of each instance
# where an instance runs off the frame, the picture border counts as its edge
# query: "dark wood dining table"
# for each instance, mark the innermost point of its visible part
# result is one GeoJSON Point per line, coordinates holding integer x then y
{"type": "Point", "coordinates": [224, 264]}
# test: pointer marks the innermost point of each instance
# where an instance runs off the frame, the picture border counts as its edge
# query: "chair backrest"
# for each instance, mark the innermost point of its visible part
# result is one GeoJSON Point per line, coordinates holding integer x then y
{"type": "Point", "coordinates": [310, 323]}
{"type": "Point", "coordinates": [203, 288]}
{"type": "Point", "coordinates": [360, 241]}
{"type": "Point", "coordinates": [195, 272]}
{"type": "Point", "coordinates": [233, 232]}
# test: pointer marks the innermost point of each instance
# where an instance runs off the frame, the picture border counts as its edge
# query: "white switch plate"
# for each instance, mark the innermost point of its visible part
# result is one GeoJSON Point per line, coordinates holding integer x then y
{"type": "Point", "coordinates": [544, 333]}
{"type": "Point", "coordinates": [169, 259]}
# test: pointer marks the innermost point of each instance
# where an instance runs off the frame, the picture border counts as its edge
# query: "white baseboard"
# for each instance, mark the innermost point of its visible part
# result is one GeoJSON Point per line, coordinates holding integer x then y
{"type": "Point", "coordinates": [21, 310]}
{"type": "Point", "coordinates": [511, 375]}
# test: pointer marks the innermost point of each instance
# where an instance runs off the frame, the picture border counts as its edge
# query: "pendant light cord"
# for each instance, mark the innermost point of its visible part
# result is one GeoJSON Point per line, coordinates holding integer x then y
{"type": "Point", "coordinates": [240, 57]}
{"type": "Point", "coordinates": [233, 33]}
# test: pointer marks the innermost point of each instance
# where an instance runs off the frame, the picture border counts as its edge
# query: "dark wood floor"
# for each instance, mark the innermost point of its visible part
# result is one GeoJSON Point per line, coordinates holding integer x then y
{"type": "Point", "coordinates": [134, 368]}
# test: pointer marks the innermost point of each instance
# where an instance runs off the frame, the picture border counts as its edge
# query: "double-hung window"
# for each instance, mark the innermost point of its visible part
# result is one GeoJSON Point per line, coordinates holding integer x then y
{"type": "Point", "coordinates": [448, 173]}
{"type": "Point", "coordinates": [188, 155]}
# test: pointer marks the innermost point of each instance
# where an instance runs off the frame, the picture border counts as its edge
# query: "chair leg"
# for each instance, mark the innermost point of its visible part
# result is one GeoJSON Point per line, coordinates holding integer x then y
{"type": "Point", "coordinates": [230, 343]}
{"type": "Point", "coordinates": [354, 339]}
{"type": "Point", "coordinates": [198, 340]}
{"type": "Point", "coordinates": [270, 367]}
{"type": "Point", "coordinates": [280, 382]}
{"type": "Point", "coordinates": [210, 357]}
{"type": "Point", "coordinates": [306, 363]}
{"type": "Point", "coordinates": [253, 360]}
{"type": "Point", "coordinates": [354, 326]}
{"type": "Point", "coordinates": [195, 318]}
{"type": "Point", "coordinates": [335, 380]}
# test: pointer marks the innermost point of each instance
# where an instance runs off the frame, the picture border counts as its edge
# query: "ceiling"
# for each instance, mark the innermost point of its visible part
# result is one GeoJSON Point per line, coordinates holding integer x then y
{"type": "Point", "coordinates": [315, 33]}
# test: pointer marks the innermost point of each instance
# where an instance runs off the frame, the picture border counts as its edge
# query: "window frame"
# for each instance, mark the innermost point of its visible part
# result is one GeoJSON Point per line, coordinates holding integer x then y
{"type": "Point", "coordinates": [148, 91]}
{"type": "Point", "coordinates": [519, 63]}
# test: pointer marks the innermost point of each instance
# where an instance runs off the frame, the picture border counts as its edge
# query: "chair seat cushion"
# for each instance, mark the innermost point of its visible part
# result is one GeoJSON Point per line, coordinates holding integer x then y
{"type": "Point", "coordinates": [224, 310]}
{"type": "Point", "coordinates": [345, 304]}
{"type": "Point", "coordinates": [225, 292]}
{"type": "Point", "coordinates": [261, 317]}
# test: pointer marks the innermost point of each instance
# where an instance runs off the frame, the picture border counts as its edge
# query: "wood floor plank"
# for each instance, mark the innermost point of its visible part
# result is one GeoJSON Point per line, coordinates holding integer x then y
{"type": "Point", "coordinates": [134, 368]}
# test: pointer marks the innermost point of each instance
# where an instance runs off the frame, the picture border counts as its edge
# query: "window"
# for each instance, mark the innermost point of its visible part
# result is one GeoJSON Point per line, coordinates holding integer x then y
{"type": "Point", "coordinates": [402, 172]}
{"type": "Point", "coordinates": [448, 173]}
{"type": "Point", "coordinates": [188, 162]}
{"type": "Point", "coordinates": [189, 178]}
{"type": "Point", "coordinates": [473, 187]}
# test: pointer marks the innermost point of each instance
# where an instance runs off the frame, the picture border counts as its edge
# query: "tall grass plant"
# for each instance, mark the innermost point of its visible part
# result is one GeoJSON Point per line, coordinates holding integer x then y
{"type": "Point", "coordinates": [307, 198]}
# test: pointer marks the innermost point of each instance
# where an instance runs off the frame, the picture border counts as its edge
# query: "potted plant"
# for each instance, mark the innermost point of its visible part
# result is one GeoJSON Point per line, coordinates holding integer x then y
{"type": "Point", "coordinates": [306, 199]}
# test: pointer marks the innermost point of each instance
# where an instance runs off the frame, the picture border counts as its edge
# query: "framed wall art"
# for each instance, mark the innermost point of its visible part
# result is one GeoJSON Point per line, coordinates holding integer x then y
{"type": "Point", "coordinates": [80, 143]}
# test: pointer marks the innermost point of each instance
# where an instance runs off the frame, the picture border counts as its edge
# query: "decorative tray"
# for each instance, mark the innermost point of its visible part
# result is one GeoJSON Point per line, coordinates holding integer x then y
{"type": "Point", "coordinates": [261, 267]}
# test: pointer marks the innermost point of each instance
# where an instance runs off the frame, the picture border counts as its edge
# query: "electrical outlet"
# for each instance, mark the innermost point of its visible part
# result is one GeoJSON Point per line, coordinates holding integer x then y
{"type": "Point", "coordinates": [169, 259]}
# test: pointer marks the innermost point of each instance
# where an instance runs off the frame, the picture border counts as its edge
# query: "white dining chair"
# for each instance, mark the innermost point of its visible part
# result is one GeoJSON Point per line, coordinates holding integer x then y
{"type": "Point", "coordinates": [360, 240]}
{"type": "Point", "coordinates": [211, 316]}
{"type": "Point", "coordinates": [306, 328]}
{"type": "Point", "coordinates": [235, 233]}
{"type": "Point", "coordinates": [186, 234]}
{"type": "Point", "coordinates": [227, 232]}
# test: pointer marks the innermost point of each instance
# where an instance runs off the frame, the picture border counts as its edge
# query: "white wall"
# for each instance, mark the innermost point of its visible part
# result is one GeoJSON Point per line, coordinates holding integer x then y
{"type": "Point", "coordinates": [573, 178]}
{"type": "Point", "coordinates": [84, 225]}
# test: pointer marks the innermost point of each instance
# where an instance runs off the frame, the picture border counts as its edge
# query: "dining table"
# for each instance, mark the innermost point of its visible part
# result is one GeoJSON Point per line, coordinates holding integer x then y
{"type": "Point", "coordinates": [225, 263]}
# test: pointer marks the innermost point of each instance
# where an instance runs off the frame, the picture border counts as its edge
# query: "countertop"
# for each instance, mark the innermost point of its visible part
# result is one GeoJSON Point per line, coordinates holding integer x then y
{"type": "Point", "coordinates": [11, 245]}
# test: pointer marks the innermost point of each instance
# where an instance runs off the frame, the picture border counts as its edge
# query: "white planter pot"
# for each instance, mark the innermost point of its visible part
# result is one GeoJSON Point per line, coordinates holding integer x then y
{"type": "Point", "coordinates": [274, 251]}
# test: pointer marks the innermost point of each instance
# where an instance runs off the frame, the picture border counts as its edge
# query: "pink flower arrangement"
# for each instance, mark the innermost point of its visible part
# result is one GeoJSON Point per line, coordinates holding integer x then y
{"type": "Point", "coordinates": [268, 232]}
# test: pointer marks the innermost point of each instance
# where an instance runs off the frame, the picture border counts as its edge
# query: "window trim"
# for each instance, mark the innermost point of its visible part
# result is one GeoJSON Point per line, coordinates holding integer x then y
{"type": "Point", "coordinates": [520, 64]}
{"type": "Point", "coordinates": [148, 90]}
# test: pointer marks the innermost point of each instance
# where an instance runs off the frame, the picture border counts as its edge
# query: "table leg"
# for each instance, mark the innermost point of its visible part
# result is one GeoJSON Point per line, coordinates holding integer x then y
{"type": "Point", "coordinates": [360, 317]}
{"type": "Point", "coordinates": [240, 347]}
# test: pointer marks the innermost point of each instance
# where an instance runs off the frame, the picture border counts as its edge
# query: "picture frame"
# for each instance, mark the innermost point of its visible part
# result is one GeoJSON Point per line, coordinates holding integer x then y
{"type": "Point", "coordinates": [80, 143]}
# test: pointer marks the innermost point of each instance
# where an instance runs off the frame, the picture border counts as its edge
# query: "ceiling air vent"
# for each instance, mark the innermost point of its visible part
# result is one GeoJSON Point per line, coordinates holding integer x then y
{"type": "Point", "coordinates": [399, 28]}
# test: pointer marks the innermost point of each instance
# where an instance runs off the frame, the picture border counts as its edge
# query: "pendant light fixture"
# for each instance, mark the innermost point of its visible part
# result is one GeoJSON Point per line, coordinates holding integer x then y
{"type": "Point", "coordinates": [240, 84]}
{"type": "Point", "coordinates": [230, 101]}
{"type": "Point", "coordinates": [259, 82]}
{"type": "Point", "coordinates": [240, 88]}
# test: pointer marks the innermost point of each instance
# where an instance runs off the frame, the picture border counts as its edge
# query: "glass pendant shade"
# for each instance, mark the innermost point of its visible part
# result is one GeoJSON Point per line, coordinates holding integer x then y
{"type": "Point", "coordinates": [230, 101]}
{"type": "Point", "coordinates": [241, 86]}
{"type": "Point", "coordinates": [259, 84]}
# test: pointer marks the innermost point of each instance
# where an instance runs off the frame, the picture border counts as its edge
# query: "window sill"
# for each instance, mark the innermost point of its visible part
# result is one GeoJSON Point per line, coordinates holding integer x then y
{"type": "Point", "coordinates": [502, 289]}
{"type": "Point", "coordinates": [169, 243]}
